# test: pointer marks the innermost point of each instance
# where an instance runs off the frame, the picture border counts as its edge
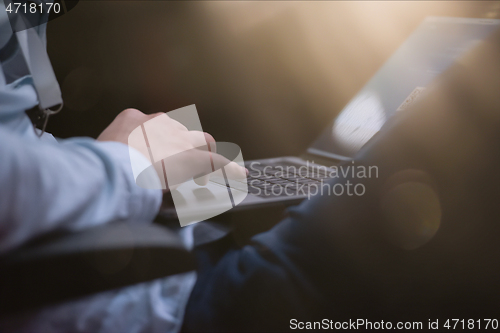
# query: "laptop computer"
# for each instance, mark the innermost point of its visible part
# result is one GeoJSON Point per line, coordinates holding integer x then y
{"type": "Point", "coordinates": [428, 51]}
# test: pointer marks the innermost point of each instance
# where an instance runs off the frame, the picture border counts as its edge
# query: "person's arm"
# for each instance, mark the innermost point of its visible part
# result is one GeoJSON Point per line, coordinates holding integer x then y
{"type": "Point", "coordinates": [73, 185]}
{"type": "Point", "coordinates": [83, 182]}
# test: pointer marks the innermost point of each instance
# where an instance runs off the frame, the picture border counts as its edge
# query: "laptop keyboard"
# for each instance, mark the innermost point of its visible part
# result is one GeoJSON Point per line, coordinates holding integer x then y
{"type": "Point", "coordinates": [281, 180]}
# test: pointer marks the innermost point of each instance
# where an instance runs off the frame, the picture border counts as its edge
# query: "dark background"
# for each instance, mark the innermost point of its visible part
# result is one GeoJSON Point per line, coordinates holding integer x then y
{"type": "Point", "coordinates": [268, 76]}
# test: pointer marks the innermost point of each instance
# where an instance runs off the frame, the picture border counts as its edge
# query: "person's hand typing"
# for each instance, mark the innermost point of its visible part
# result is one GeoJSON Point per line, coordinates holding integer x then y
{"type": "Point", "coordinates": [187, 154]}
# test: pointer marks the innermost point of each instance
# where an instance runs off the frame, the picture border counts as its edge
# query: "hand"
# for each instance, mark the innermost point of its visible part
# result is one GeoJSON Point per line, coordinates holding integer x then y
{"type": "Point", "coordinates": [187, 154]}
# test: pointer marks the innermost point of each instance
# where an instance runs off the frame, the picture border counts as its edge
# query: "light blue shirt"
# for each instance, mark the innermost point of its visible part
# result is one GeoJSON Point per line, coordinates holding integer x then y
{"type": "Point", "coordinates": [48, 184]}
{"type": "Point", "coordinates": [71, 184]}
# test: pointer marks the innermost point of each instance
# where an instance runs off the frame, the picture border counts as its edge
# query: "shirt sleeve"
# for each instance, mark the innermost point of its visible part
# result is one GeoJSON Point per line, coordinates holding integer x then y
{"type": "Point", "coordinates": [70, 185]}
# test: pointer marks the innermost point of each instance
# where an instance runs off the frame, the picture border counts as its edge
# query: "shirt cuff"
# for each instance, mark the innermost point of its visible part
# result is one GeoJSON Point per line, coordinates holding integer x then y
{"type": "Point", "coordinates": [145, 200]}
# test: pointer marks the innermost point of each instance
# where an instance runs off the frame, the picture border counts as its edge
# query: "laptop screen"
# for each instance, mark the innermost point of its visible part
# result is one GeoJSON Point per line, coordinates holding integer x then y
{"type": "Point", "coordinates": [429, 50]}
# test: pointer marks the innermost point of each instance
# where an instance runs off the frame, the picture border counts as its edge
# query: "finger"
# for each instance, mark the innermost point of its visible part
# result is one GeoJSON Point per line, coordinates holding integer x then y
{"type": "Point", "coordinates": [209, 142]}
{"type": "Point", "coordinates": [202, 140]}
{"type": "Point", "coordinates": [232, 169]}
{"type": "Point", "coordinates": [195, 163]}
{"type": "Point", "coordinates": [202, 181]}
